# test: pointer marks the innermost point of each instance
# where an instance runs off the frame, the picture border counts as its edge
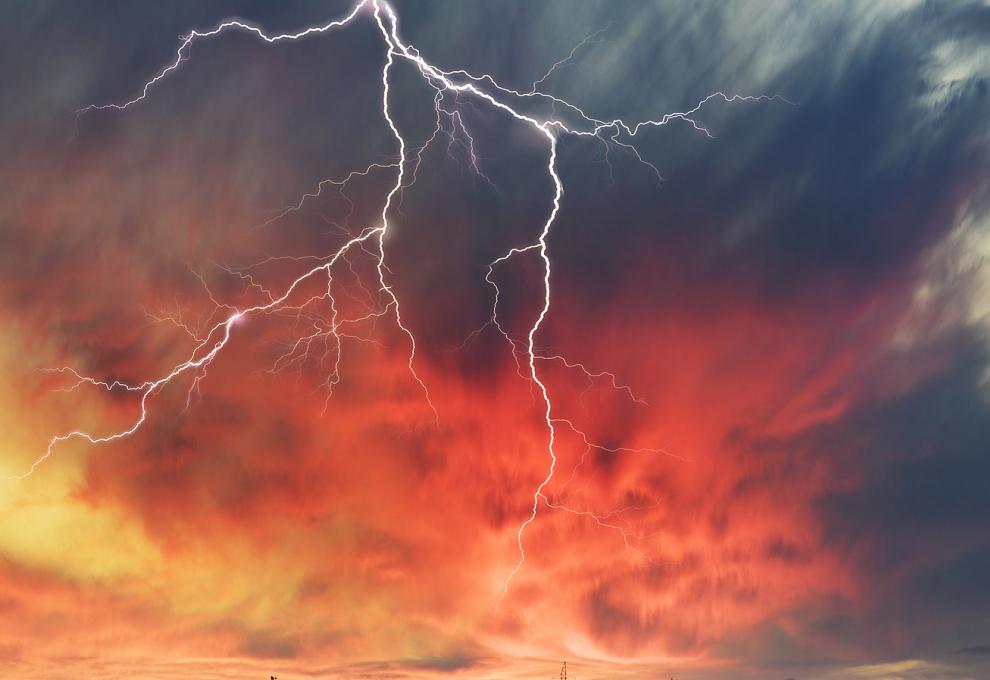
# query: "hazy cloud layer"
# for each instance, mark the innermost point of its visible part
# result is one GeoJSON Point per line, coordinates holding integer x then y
{"type": "Point", "coordinates": [800, 305]}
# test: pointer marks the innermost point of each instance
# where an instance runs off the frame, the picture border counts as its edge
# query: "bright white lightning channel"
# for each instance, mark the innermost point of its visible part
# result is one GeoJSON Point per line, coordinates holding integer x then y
{"type": "Point", "coordinates": [487, 91]}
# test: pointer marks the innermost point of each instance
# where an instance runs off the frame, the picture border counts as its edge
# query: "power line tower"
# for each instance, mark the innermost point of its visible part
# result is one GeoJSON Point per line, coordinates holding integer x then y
{"type": "Point", "coordinates": [563, 672]}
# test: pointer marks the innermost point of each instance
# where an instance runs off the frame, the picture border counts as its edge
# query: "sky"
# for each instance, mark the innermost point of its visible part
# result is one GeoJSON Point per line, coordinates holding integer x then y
{"type": "Point", "coordinates": [398, 350]}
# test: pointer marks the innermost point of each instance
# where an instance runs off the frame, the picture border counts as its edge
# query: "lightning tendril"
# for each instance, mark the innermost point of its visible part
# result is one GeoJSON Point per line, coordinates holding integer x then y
{"type": "Point", "coordinates": [486, 91]}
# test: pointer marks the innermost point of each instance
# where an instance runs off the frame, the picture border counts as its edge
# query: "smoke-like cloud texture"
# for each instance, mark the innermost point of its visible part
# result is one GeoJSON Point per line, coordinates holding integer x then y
{"type": "Point", "coordinates": [794, 483]}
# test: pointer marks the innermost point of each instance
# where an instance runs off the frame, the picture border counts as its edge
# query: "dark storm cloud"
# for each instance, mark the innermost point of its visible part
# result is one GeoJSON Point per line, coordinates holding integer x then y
{"type": "Point", "coordinates": [908, 513]}
{"type": "Point", "coordinates": [858, 178]}
{"type": "Point", "coordinates": [815, 205]}
{"type": "Point", "coordinates": [851, 185]}
{"type": "Point", "coordinates": [865, 173]}
{"type": "Point", "coordinates": [82, 53]}
{"type": "Point", "coordinates": [924, 457]}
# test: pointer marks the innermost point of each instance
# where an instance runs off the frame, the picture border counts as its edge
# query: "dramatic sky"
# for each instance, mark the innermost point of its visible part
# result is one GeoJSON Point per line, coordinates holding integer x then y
{"type": "Point", "coordinates": [766, 355]}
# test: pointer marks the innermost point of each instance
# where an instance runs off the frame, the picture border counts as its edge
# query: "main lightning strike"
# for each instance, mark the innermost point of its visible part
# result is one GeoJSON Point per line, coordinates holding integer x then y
{"type": "Point", "coordinates": [486, 90]}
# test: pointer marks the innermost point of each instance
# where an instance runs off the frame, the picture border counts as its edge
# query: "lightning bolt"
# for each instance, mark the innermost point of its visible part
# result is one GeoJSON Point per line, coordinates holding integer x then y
{"type": "Point", "coordinates": [588, 39]}
{"type": "Point", "coordinates": [448, 86]}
